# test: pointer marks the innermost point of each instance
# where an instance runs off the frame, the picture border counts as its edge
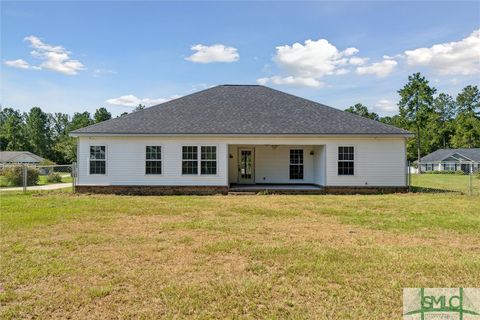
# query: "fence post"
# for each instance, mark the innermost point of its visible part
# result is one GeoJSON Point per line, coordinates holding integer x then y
{"type": "Point", "coordinates": [74, 176]}
{"type": "Point", "coordinates": [470, 176]}
{"type": "Point", "coordinates": [25, 173]}
{"type": "Point", "coordinates": [409, 177]}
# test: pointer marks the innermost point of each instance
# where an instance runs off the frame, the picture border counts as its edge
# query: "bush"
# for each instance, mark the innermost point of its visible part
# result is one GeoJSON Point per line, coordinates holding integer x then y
{"type": "Point", "coordinates": [458, 172]}
{"type": "Point", "coordinates": [14, 176]}
{"type": "Point", "coordinates": [54, 177]}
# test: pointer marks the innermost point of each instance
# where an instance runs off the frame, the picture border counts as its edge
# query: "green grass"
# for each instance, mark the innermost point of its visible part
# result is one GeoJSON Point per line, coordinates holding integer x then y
{"type": "Point", "coordinates": [41, 181]}
{"type": "Point", "coordinates": [342, 257]}
{"type": "Point", "coordinates": [447, 182]}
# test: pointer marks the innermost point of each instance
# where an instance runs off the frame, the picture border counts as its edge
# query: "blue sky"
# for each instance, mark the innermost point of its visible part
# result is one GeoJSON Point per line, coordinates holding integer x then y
{"type": "Point", "coordinates": [73, 56]}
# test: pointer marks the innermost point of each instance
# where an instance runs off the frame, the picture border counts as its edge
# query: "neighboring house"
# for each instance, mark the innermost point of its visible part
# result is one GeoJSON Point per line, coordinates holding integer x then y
{"type": "Point", "coordinates": [466, 160]}
{"type": "Point", "coordinates": [214, 140]}
{"type": "Point", "coordinates": [19, 157]}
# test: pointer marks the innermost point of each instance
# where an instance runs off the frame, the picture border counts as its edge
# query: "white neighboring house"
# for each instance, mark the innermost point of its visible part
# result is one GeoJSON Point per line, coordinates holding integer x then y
{"type": "Point", "coordinates": [466, 160]}
{"type": "Point", "coordinates": [19, 157]}
{"type": "Point", "coordinates": [232, 136]}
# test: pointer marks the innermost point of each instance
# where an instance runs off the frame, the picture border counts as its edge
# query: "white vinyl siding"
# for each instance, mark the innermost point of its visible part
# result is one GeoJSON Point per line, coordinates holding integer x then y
{"type": "Point", "coordinates": [379, 161]}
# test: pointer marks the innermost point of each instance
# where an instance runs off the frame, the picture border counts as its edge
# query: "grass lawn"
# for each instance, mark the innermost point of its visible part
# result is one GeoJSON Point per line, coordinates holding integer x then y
{"type": "Point", "coordinates": [42, 180]}
{"type": "Point", "coordinates": [448, 182]}
{"type": "Point", "coordinates": [335, 257]}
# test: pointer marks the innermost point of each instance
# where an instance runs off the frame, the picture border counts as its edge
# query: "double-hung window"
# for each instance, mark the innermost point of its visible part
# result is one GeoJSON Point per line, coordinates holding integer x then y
{"type": "Point", "coordinates": [346, 161]}
{"type": "Point", "coordinates": [189, 160]}
{"type": "Point", "coordinates": [296, 164]}
{"type": "Point", "coordinates": [97, 160]}
{"type": "Point", "coordinates": [207, 162]}
{"type": "Point", "coordinates": [153, 160]}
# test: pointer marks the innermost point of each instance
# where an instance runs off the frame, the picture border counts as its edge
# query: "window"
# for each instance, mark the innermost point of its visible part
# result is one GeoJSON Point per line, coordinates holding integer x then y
{"type": "Point", "coordinates": [346, 159]}
{"type": "Point", "coordinates": [97, 160]}
{"type": "Point", "coordinates": [449, 166]}
{"type": "Point", "coordinates": [190, 160]}
{"type": "Point", "coordinates": [209, 160]}
{"type": "Point", "coordinates": [153, 163]}
{"type": "Point", "coordinates": [296, 164]}
{"type": "Point", "coordinates": [428, 167]}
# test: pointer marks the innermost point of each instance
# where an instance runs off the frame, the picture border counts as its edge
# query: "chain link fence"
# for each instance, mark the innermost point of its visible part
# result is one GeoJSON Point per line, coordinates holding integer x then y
{"type": "Point", "coordinates": [462, 177]}
{"type": "Point", "coordinates": [24, 177]}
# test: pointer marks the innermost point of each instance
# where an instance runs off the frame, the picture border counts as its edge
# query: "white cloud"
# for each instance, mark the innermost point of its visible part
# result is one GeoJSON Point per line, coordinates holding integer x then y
{"type": "Point", "coordinates": [380, 69]}
{"type": "Point", "coordinates": [312, 59]}
{"type": "Point", "coordinates": [291, 80]}
{"type": "Point", "coordinates": [460, 58]}
{"type": "Point", "coordinates": [306, 64]}
{"type": "Point", "coordinates": [19, 63]}
{"type": "Point", "coordinates": [214, 53]}
{"type": "Point", "coordinates": [55, 58]}
{"type": "Point", "coordinates": [386, 106]}
{"type": "Point", "coordinates": [132, 101]}
{"type": "Point", "coordinates": [357, 61]}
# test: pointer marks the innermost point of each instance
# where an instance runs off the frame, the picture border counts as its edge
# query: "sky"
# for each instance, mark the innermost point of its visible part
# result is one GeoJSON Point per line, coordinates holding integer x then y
{"type": "Point", "coordinates": [79, 56]}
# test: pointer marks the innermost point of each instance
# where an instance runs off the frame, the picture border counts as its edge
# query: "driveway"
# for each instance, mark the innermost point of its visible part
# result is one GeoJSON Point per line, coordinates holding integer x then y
{"type": "Point", "coordinates": [52, 186]}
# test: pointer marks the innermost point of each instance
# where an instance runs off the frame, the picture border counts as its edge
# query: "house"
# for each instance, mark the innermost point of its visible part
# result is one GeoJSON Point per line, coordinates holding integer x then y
{"type": "Point", "coordinates": [235, 137]}
{"type": "Point", "coordinates": [466, 160]}
{"type": "Point", "coordinates": [19, 157]}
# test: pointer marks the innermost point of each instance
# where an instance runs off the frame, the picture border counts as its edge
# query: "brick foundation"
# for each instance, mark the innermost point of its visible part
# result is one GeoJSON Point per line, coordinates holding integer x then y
{"type": "Point", "coordinates": [364, 190]}
{"type": "Point", "coordinates": [153, 190]}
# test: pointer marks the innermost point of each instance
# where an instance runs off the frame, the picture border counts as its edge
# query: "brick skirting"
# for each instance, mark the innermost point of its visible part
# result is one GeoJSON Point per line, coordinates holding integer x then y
{"type": "Point", "coordinates": [210, 190]}
{"type": "Point", "coordinates": [364, 190]}
{"type": "Point", "coordinates": [154, 190]}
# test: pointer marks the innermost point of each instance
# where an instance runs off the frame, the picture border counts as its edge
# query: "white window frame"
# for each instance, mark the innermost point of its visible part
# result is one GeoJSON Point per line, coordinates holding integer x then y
{"type": "Point", "coordinates": [303, 163]}
{"type": "Point", "coordinates": [106, 158]}
{"type": "Point", "coordinates": [158, 160]}
{"type": "Point", "coordinates": [199, 159]}
{"type": "Point", "coordinates": [354, 160]}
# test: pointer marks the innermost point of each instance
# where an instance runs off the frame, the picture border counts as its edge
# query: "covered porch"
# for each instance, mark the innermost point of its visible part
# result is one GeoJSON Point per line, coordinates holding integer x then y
{"type": "Point", "coordinates": [276, 168]}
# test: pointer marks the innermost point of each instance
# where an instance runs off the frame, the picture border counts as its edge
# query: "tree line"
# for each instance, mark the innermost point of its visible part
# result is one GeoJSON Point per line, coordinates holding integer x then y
{"type": "Point", "coordinates": [438, 121]}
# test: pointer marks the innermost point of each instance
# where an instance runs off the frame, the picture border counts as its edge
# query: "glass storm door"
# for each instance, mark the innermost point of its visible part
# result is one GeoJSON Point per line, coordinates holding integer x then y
{"type": "Point", "coordinates": [245, 166]}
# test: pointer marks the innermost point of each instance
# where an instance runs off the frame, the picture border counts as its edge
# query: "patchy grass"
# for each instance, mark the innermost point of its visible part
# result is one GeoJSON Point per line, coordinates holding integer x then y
{"type": "Point", "coordinates": [100, 256]}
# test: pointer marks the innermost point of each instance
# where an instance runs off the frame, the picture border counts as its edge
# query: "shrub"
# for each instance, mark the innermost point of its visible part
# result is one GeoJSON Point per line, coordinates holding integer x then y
{"type": "Point", "coordinates": [14, 176]}
{"type": "Point", "coordinates": [54, 177]}
{"type": "Point", "coordinates": [458, 172]}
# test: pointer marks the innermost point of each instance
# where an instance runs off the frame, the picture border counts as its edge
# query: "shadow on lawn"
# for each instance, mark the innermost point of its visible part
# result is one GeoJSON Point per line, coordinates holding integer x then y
{"type": "Point", "coordinates": [431, 190]}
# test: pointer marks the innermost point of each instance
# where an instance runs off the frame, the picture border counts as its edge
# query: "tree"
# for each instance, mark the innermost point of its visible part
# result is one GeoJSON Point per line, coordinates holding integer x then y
{"type": "Point", "coordinates": [361, 110]}
{"type": "Point", "coordinates": [469, 100]}
{"type": "Point", "coordinates": [60, 122]}
{"type": "Point", "coordinates": [102, 114]}
{"type": "Point", "coordinates": [139, 107]}
{"type": "Point", "coordinates": [80, 120]}
{"type": "Point", "coordinates": [467, 125]}
{"type": "Point", "coordinates": [416, 100]}
{"type": "Point", "coordinates": [12, 130]}
{"type": "Point", "coordinates": [37, 124]}
{"type": "Point", "coordinates": [445, 110]}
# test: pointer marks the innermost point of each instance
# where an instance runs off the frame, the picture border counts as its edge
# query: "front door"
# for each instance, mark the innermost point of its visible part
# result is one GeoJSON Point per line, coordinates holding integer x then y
{"type": "Point", "coordinates": [246, 174]}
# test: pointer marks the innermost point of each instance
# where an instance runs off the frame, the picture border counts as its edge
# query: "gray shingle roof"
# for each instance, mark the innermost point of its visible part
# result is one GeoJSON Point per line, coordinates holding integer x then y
{"type": "Point", "coordinates": [7, 156]}
{"type": "Point", "coordinates": [440, 154]}
{"type": "Point", "coordinates": [240, 109]}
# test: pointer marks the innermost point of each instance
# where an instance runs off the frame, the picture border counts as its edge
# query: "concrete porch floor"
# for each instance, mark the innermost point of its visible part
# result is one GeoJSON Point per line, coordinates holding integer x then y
{"type": "Point", "coordinates": [276, 188]}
